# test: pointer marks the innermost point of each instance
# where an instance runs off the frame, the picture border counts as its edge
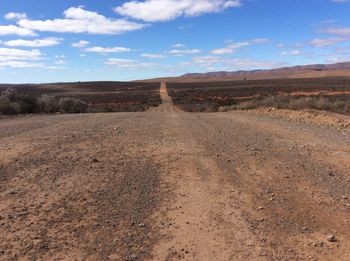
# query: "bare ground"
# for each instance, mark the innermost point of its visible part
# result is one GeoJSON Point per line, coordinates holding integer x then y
{"type": "Point", "coordinates": [170, 185]}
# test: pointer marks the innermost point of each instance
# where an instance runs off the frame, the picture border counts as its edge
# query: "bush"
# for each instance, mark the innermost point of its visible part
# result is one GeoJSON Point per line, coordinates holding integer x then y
{"type": "Point", "coordinates": [334, 104]}
{"type": "Point", "coordinates": [12, 103]}
{"type": "Point", "coordinates": [72, 105]}
{"type": "Point", "coordinates": [48, 104]}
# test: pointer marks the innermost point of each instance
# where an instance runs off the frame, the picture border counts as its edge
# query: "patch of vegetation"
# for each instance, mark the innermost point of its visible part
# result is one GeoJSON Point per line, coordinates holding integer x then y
{"type": "Point", "coordinates": [331, 94]}
{"type": "Point", "coordinates": [13, 103]}
{"type": "Point", "coordinates": [99, 96]}
{"type": "Point", "coordinates": [339, 104]}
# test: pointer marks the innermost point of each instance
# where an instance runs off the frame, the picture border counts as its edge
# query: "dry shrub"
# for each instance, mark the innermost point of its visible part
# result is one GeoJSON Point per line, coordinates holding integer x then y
{"type": "Point", "coordinates": [48, 104]}
{"type": "Point", "coordinates": [294, 103]}
{"type": "Point", "coordinates": [72, 105]}
{"type": "Point", "coordinates": [12, 103]}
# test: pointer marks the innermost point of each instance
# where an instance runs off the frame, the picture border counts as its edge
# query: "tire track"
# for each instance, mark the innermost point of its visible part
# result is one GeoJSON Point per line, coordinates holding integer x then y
{"type": "Point", "coordinates": [203, 219]}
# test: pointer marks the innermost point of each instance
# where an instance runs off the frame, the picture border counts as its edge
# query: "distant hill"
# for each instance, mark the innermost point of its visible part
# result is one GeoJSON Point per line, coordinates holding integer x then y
{"type": "Point", "coordinates": [302, 71]}
{"type": "Point", "coordinates": [279, 71]}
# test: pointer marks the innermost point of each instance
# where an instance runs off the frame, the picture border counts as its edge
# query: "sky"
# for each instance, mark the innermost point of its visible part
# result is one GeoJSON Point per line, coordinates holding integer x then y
{"type": "Point", "coordinates": [66, 40]}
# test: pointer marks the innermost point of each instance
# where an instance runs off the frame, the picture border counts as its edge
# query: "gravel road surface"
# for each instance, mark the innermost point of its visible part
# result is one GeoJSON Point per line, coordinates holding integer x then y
{"type": "Point", "coordinates": [170, 185]}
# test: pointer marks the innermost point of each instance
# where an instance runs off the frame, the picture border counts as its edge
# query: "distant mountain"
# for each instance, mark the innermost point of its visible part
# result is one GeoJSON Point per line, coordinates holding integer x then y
{"type": "Point", "coordinates": [272, 72]}
{"type": "Point", "coordinates": [301, 71]}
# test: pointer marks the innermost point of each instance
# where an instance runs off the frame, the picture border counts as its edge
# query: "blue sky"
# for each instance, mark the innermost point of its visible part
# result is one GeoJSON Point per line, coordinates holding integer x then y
{"type": "Point", "coordinates": [50, 41]}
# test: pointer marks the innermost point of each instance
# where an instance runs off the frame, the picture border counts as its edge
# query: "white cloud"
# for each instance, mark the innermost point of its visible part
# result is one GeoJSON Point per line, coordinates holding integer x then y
{"type": "Point", "coordinates": [338, 59]}
{"type": "Point", "coordinates": [79, 20]}
{"type": "Point", "coordinates": [20, 64]}
{"type": "Point", "coordinates": [206, 61]}
{"type": "Point", "coordinates": [292, 52]}
{"type": "Point", "coordinates": [325, 41]}
{"type": "Point", "coordinates": [50, 41]}
{"type": "Point", "coordinates": [127, 63]}
{"type": "Point", "coordinates": [153, 56]}
{"type": "Point", "coordinates": [15, 30]}
{"type": "Point", "coordinates": [239, 45]}
{"type": "Point", "coordinates": [343, 31]}
{"type": "Point", "coordinates": [261, 40]}
{"type": "Point", "coordinates": [232, 46]}
{"type": "Point", "coordinates": [182, 52]}
{"type": "Point", "coordinates": [222, 51]}
{"type": "Point", "coordinates": [179, 45]}
{"type": "Point", "coordinates": [19, 58]}
{"type": "Point", "coordinates": [213, 62]}
{"type": "Point", "coordinates": [81, 43]}
{"type": "Point", "coordinates": [165, 10]}
{"type": "Point", "coordinates": [8, 54]}
{"type": "Point", "coordinates": [15, 16]}
{"type": "Point", "coordinates": [249, 64]}
{"type": "Point", "coordinates": [98, 49]}
{"type": "Point", "coordinates": [60, 62]}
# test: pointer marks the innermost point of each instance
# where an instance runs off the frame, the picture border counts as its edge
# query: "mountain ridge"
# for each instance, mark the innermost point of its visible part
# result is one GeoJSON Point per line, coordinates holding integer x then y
{"type": "Point", "coordinates": [298, 68]}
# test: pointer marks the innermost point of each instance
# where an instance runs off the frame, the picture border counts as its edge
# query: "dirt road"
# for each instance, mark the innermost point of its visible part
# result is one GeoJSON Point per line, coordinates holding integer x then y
{"type": "Point", "coordinates": [170, 185]}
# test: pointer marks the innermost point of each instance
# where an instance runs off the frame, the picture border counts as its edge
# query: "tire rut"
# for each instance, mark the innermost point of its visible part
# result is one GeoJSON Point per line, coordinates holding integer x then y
{"type": "Point", "coordinates": [203, 219]}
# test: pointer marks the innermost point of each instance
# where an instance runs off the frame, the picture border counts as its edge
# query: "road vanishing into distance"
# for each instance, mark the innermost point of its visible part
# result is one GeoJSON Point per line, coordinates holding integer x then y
{"type": "Point", "coordinates": [169, 185]}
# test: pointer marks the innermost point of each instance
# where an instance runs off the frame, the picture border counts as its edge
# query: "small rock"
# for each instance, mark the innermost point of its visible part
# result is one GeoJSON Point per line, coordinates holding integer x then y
{"type": "Point", "coordinates": [95, 160]}
{"type": "Point", "coordinates": [113, 257]}
{"type": "Point", "coordinates": [331, 238]}
{"type": "Point", "coordinates": [344, 197]}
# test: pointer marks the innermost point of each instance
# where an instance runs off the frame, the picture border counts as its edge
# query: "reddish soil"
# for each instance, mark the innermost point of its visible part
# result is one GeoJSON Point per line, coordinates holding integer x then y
{"type": "Point", "coordinates": [170, 185]}
{"type": "Point", "coordinates": [321, 118]}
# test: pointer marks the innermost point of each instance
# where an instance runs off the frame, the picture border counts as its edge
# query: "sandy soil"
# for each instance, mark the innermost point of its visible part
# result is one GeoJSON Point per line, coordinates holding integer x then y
{"type": "Point", "coordinates": [321, 118]}
{"type": "Point", "coordinates": [170, 185]}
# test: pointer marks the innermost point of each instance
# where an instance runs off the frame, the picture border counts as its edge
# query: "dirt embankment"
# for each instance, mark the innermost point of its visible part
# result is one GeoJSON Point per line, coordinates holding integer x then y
{"type": "Point", "coordinates": [322, 118]}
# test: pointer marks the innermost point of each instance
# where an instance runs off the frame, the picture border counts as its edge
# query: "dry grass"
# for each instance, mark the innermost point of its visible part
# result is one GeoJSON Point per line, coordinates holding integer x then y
{"type": "Point", "coordinates": [339, 104]}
